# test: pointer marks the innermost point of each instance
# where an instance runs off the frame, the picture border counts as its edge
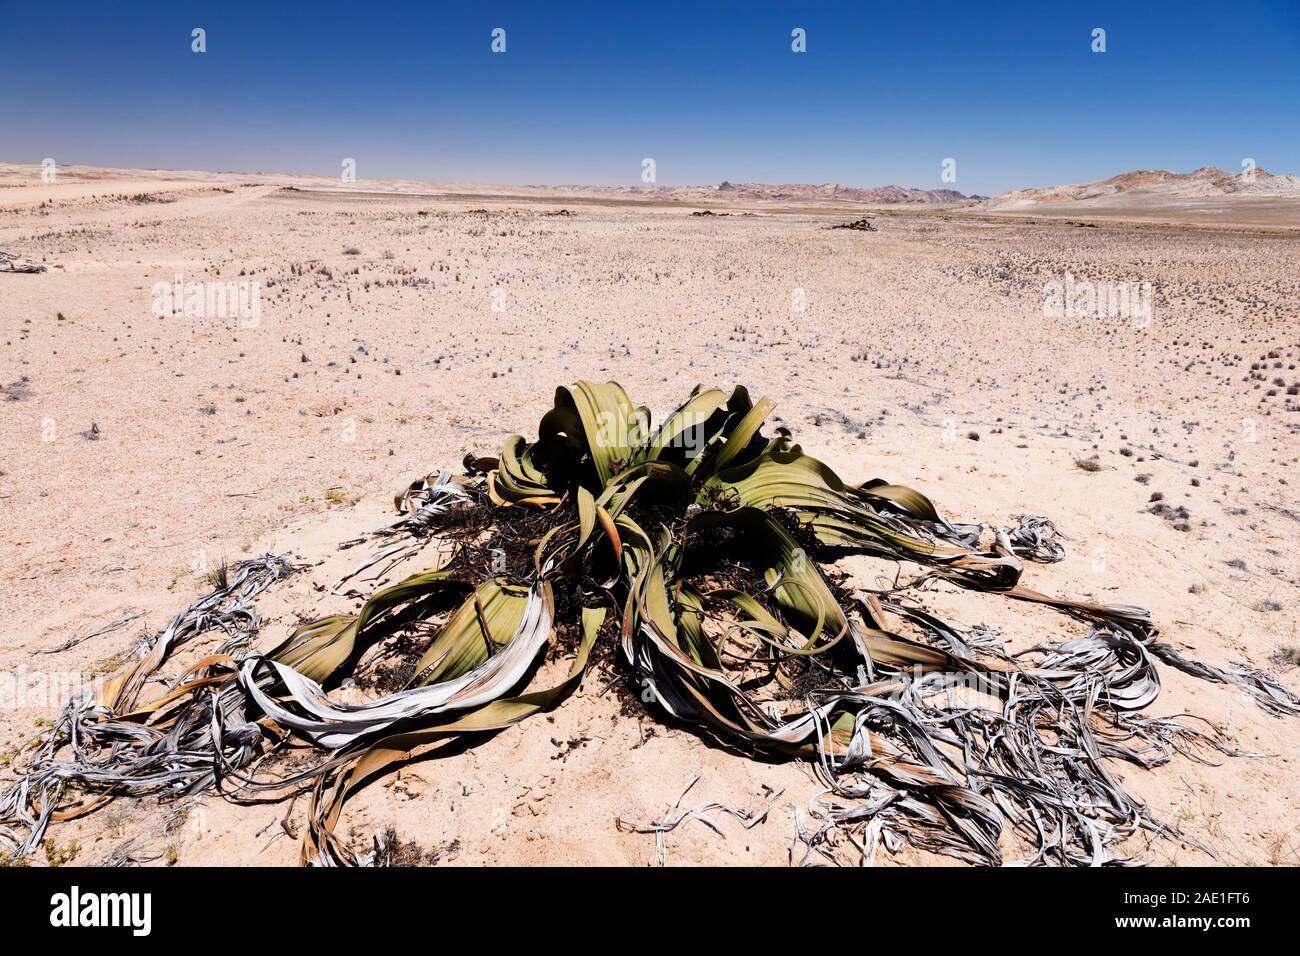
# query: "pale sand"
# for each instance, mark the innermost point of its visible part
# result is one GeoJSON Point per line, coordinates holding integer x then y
{"type": "Point", "coordinates": [913, 336]}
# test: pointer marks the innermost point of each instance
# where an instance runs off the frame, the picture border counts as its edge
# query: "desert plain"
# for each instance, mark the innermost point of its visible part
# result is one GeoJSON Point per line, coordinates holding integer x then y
{"type": "Point", "coordinates": [401, 326]}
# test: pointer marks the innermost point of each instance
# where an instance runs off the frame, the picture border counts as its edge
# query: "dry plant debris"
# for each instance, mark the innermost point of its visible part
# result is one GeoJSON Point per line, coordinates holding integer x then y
{"type": "Point", "coordinates": [701, 548]}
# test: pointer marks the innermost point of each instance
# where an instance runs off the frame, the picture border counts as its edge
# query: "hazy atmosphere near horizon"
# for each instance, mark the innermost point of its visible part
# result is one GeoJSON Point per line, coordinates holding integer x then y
{"type": "Point", "coordinates": [1014, 92]}
{"type": "Point", "coordinates": [716, 435]}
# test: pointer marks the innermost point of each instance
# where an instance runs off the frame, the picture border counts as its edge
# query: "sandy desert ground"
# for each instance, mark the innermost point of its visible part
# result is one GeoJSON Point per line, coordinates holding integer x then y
{"type": "Point", "coordinates": [401, 328]}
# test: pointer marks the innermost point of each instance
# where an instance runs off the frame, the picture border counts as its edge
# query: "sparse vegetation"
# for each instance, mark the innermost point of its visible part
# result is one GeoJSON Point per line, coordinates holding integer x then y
{"type": "Point", "coordinates": [700, 547]}
{"type": "Point", "coordinates": [859, 225]}
{"type": "Point", "coordinates": [56, 855]}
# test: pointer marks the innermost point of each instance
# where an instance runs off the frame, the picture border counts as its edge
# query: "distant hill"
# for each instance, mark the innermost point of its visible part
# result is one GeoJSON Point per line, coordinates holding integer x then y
{"type": "Point", "coordinates": [834, 191]}
{"type": "Point", "coordinates": [1149, 186]}
{"type": "Point", "coordinates": [791, 192]}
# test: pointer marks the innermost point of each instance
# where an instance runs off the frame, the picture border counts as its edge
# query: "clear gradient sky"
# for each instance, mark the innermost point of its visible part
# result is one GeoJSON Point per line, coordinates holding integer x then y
{"type": "Point", "coordinates": [885, 91]}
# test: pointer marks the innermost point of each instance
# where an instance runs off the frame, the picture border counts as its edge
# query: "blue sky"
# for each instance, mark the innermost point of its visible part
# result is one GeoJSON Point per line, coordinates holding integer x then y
{"type": "Point", "coordinates": [584, 91]}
